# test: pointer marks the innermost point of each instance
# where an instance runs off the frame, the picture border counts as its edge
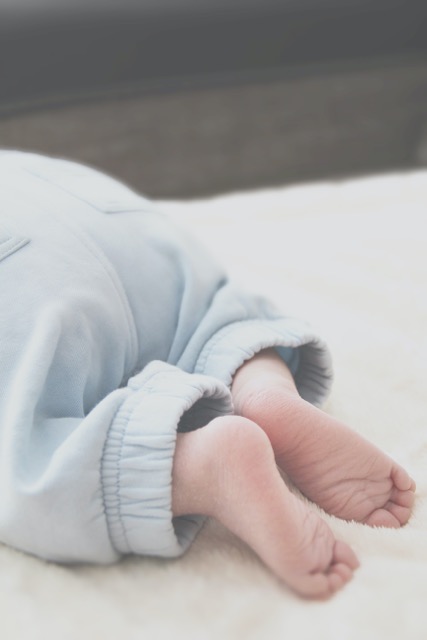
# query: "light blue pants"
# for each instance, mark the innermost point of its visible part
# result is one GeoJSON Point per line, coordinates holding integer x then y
{"type": "Point", "coordinates": [116, 329]}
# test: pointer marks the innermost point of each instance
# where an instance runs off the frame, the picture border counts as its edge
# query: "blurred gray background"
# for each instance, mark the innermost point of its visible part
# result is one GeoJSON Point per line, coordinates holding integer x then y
{"type": "Point", "coordinates": [183, 98]}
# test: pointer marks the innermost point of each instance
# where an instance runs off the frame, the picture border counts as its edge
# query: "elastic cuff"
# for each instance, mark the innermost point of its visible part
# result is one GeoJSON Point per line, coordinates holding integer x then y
{"type": "Point", "coordinates": [138, 458]}
{"type": "Point", "coordinates": [306, 354]}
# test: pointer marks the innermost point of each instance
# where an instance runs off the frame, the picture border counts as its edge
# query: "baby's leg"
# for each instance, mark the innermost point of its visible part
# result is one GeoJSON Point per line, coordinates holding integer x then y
{"type": "Point", "coordinates": [227, 470]}
{"type": "Point", "coordinates": [331, 464]}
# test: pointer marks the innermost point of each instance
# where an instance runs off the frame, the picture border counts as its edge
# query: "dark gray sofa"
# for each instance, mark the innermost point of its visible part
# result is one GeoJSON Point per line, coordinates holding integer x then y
{"type": "Point", "coordinates": [189, 97]}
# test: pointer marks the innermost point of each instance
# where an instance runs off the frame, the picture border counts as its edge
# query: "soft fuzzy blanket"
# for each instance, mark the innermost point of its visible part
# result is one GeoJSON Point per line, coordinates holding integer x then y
{"type": "Point", "coordinates": [351, 257]}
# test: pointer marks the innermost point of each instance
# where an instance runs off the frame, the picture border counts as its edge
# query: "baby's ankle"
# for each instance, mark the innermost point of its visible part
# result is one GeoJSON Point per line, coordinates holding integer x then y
{"type": "Point", "coordinates": [255, 381]}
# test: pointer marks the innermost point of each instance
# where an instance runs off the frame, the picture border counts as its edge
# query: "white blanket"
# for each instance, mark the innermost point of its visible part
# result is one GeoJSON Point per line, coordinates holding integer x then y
{"type": "Point", "coordinates": [351, 257]}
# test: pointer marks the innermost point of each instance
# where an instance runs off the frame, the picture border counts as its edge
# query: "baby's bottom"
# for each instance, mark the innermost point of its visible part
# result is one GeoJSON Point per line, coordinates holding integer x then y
{"type": "Point", "coordinates": [227, 470]}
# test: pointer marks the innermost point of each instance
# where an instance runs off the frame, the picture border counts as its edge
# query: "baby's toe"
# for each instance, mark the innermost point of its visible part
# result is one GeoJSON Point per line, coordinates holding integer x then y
{"type": "Point", "coordinates": [401, 513]}
{"type": "Point", "coordinates": [344, 555]}
{"type": "Point", "coordinates": [402, 480]}
{"type": "Point", "coordinates": [403, 498]}
{"type": "Point", "coordinates": [383, 518]}
{"type": "Point", "coordinates": [317, 586]}
{"type": "Point", "coordinates": [339, 577]}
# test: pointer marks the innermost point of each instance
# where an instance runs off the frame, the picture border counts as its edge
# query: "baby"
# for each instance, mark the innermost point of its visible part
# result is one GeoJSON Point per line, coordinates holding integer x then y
{"type": "Point", "coordinates": [140, 391]}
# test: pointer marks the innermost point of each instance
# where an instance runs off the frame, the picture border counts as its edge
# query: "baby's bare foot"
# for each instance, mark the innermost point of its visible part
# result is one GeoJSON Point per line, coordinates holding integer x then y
{"type": "Point", "coordinates": [331, 464]}
{"type": "Point", "coordinates": [231, 462]}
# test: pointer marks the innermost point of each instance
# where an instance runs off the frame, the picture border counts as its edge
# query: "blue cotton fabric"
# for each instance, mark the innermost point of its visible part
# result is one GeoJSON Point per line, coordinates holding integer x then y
{"type": "Point", "coordinates": [116, 331]}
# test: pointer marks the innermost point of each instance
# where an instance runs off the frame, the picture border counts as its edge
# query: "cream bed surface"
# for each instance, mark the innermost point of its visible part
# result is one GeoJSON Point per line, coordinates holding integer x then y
{"type": "Point", "coordinates": [351, 257]}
